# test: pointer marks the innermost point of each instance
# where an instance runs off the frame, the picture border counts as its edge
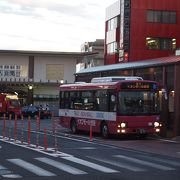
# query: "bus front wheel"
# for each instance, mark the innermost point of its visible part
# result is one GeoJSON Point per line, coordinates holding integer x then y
{"type": "Point", "coordinates": [104, 130]}
{"type": "Point", "coordinates": [74, 126]}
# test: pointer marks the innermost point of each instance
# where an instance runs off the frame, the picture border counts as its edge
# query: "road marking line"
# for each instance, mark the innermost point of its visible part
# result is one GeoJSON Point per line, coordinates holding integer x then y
{"type": "Point", "coordinates": [2, 167]}
{"type": "Point", "coordinates": [61, 166]}
{"type": "Point", "coordinates": [166, 161]}
{"type": "Point", "coordinates": [88, 148]}
{"type": "Point", "coordinates": [166, 140]}
{"type": "Point", "coordinates": [158, 166]}
{"type": "Point", "coordinates": [33, 147]}
{"type": "Point", "coordinates": [30, 167]}
{"type": "Point", "coordinates": [12, 176]}
{"type": "Point", "coordinates": [119, 164]}
{"type": "Point", "coordinates": [5, 171]}
{"type": "Point", "coordinates": [90, 164]}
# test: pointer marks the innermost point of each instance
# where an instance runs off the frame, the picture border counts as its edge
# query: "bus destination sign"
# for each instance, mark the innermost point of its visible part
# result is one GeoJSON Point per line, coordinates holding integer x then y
{"type": "Point", "coordinates": [139, 85]}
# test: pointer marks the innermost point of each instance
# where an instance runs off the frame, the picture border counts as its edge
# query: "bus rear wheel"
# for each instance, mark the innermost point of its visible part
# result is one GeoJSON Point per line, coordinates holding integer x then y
{"type": "Point", "coordinates": [104, 130]}
{"type": "Point", "coordinates": [74, 126]}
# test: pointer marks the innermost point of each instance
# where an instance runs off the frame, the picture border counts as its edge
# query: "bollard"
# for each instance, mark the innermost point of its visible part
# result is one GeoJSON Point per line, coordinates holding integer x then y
{"type": "Point", "coordinates": [90, 132]}
{"type": "Point", "coordinates": [37, 131]}
{"type": "Point", "coordinates": [22, 129]}
{"type": "Point", "coordinates": [15, 128]}
{"type": "Point", "coordinates": [4, 126]}
{"type": "Point", "coordinates": [54, 133]}
{"type": "Point", "coordinates": [55, 139]}
{"type": "Point", "coordinates": [9, 126]}
{"type": "Point", "coordinates": [45, 140]}
{"type": "Point", "coordinates": [39, 114]}
{"type": "Point", "coordinates": [29, 130]}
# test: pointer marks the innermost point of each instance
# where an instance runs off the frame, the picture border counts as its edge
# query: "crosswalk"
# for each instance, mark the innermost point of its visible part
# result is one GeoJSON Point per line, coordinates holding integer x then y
{"type": "Point", "coordinates": [50, 166]}
{"type": "Point", "coordinates": [61, 166]}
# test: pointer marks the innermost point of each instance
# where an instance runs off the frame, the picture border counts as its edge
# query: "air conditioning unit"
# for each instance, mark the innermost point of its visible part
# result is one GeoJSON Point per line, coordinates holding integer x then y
{"type": "Point", "coordinates": [114, 79]}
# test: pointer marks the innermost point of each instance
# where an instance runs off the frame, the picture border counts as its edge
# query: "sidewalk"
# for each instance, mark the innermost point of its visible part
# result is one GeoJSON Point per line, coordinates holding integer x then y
{"type": "Point", "coordinates": [177, 139]}
{"type": "Point", "coordinates": [173, 139]}
{"type": "Point", "coordinates": [168, 139]}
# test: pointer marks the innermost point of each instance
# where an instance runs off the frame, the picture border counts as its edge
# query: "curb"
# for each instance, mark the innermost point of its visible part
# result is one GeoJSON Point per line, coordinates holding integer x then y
{"type": "Point", "coordinates": [171, 140]}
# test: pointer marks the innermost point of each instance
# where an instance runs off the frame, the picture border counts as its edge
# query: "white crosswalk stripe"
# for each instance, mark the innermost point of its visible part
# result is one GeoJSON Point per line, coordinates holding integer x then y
{"type": "Point", "coordinates": [147, 163]}
{"type": "Point", "coordinates": [119, 164]}
{"type": "Point", "coordinates": [90, 164]}
{"type": "Point", "coordinates": [12, 176]}
{"type": "Point", "coordinates": [166, 161]}
{"type": "Point", "coordinates": [61, 166]}
{"type": "Point", "coordinates": [30, 167]}
{"type": "Point", "coordinates": [2, 167]}
{"type": "Point", "coordinates": [4, 172]}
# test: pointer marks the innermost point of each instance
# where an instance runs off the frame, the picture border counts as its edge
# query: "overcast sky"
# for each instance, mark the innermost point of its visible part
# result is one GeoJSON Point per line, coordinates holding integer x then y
{"type": "Point", "coordinates": [51, 25]}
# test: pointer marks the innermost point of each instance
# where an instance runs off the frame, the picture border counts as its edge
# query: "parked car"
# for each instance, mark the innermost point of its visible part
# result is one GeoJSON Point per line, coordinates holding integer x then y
{"type": "Point", "coordinates": [46, 111]}
{"type": "Point", "coordinates": [32, 111]}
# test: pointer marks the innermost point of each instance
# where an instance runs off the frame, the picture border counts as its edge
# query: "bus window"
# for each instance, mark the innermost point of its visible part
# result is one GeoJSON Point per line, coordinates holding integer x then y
{"type": "Point", "coordinates": [75, 100]}
{"type": "Point", "coordinates": [14, 103]}
{"type": "Point", "coordinates": [64, 100]}
{"type": "Point", "coordinates": [88, 100]}
{"type": "Point", "coordinates": [61, 99]}
{"type": "Point", "coordinates": [112, 103]}
{"type": "Point", "coordinates": [102, 100]}
{"type": "Point", "coordinates": [138, 103]}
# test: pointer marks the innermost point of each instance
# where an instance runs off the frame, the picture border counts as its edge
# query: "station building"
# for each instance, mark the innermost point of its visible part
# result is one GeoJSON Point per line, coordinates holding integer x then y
{"type": "Point", "coordinates": [36, 75]}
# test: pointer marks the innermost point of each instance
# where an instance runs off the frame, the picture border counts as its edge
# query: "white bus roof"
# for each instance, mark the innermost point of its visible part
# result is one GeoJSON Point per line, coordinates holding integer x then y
{"type": "Point", "coordinates": [114, 79]}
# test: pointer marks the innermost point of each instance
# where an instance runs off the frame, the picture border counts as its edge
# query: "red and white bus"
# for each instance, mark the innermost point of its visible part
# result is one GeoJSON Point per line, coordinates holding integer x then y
{"type": "Point", "coordinates": [111, 105]}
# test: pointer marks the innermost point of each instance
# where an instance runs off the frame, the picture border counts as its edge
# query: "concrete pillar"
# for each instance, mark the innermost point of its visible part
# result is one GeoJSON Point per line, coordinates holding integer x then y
{"type": "Point", "coordinates": [164, 112]}
{"type": "Point", "coordinates": [176, 130]}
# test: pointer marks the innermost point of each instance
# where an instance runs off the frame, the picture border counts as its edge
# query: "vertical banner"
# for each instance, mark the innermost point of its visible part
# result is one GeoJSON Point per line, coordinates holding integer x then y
{"type": "Point", "coordinates": [121, 42]}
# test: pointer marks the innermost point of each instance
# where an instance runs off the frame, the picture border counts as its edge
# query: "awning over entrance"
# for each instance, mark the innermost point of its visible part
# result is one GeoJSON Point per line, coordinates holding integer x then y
{"type": "Point", "coordinates": [132, 65]}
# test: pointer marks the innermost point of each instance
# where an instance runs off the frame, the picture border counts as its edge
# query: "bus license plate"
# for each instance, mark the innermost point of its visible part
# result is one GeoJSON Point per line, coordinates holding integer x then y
{"type": "Point", "coordinates": [141, 131]}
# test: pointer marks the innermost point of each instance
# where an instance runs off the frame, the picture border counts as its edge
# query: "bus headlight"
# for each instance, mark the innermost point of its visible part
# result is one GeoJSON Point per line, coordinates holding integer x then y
{"type": "Point", "coordinates": [123, 125]}
{"type": "Point", "coordinates": [156, 124]}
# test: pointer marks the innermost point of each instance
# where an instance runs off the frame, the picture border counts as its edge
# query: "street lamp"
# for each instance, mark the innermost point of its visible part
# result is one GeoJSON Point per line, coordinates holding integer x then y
{"type": "Point", "coordinates": [30, 87]}
{"type": "Point", "coordinates": [61, 81]}
{"type": "Point", "coordinates": [30, 94]}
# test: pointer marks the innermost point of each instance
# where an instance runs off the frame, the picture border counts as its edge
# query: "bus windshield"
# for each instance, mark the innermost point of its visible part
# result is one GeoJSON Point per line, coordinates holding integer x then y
{"type": "Point", "coordinates": [14, 103]}
{"type": "Point", "coordinates": [138, 103]}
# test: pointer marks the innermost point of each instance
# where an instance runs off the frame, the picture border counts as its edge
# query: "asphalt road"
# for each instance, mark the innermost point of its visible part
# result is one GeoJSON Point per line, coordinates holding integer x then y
{"type": "Point", "coordinates": [66, 156]}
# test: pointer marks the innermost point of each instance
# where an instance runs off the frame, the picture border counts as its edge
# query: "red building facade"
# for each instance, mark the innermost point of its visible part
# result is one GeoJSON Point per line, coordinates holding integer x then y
{"type": "Point", "coordinates": [138, 30]}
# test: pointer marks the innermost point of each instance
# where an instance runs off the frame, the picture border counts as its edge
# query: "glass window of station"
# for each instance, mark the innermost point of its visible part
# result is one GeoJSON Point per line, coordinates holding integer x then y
{"type": "Point", "coordinates": [112, 48]}
{"type": "Point", "coordinates": [11, 71]}
{"type": "Point", "coordinates": [168, 17]}
{"type": "Point", "coordinates": [155, 43]}
{"type": "Point", "coordinates": [113, 23]}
